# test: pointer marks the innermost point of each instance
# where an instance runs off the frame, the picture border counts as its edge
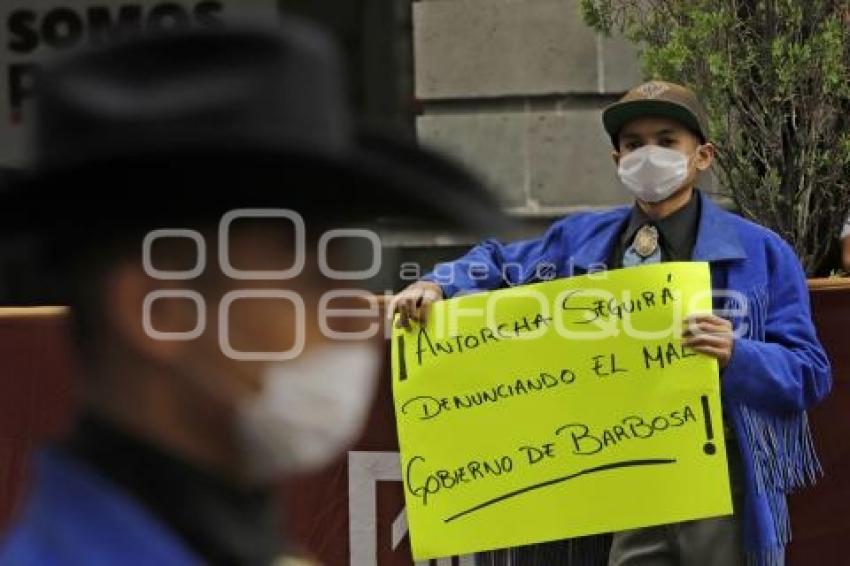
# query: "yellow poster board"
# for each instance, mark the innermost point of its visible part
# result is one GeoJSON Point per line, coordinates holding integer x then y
{"type": "Point", "coordinates": [557, 410]}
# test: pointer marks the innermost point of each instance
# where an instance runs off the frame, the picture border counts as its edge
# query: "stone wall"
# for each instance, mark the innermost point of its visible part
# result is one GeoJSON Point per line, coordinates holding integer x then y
{"type": "Point", "coordinates": [514, 88]}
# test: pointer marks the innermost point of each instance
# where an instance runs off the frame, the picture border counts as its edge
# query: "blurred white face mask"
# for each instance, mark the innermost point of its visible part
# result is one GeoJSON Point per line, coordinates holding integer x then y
{"type": "Point", "coordinates": [652, 173]}
{"type": "Point", "coordinates": [310, 409]}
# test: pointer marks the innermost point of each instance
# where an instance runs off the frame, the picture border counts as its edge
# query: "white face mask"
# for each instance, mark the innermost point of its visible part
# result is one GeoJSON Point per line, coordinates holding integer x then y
{"type": "Point", "coordinates": [310, 409]}
{"type": "Point", "coordinates": [653, 173]}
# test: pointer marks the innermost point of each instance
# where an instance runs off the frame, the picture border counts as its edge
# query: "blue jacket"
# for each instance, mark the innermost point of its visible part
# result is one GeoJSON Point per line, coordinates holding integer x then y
{"type": "Point", "coordinates": [777, 370]}
{"type": "Point", "coordinates": [75, 517]}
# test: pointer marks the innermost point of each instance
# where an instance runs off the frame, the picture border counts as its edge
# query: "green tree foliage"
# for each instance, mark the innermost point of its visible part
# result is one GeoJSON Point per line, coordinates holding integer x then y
{"type": "Point", "coordinates": [775, 78]}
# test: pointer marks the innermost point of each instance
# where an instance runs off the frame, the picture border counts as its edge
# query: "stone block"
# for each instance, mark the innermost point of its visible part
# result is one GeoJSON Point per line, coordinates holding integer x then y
{"type": "Point", "coordinates": [490, 48]}
{"type": "Point", "coordinates": [620, 65]}
{"type": "Point", "coordinates": [492, 145]}
{"type": "Point", "coordinates": [570, 161]}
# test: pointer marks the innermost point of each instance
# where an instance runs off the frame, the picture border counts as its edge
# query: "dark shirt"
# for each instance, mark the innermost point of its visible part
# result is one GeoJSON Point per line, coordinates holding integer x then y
{"type": "Point", "coordinates": [677, 233]}
{"type": "Point", "coordinates": [220, 522]}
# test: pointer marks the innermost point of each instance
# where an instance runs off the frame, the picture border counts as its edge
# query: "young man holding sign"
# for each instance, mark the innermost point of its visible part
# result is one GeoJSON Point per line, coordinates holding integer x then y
{"type": "Point", "coordinates": [772, 366]}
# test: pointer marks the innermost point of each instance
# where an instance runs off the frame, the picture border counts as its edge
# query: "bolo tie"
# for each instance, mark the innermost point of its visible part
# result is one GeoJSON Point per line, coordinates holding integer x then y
{"type": "Point", "coordinates": [645, 248]}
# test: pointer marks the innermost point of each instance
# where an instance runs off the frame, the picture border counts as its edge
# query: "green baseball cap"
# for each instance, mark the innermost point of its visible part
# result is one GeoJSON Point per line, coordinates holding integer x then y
{"type": "Point", "coordinates": [657, 98]}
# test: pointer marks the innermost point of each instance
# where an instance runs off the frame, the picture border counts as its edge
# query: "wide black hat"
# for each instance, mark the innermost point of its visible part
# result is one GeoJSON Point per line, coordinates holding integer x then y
{"type": "Point", "coordinates": [195, 123]}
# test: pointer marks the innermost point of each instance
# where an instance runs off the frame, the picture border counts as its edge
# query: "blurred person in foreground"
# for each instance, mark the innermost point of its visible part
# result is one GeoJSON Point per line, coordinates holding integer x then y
{"type": "Point", "coordinates": [186, 420]}
{"type": "Point", "coordinates": [771, 371]}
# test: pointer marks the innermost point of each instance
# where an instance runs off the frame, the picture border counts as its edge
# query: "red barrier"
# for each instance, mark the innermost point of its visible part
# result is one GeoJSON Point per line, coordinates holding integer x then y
{"type": "Point", "coordinates": [820, 517]}
{"type": "Point", "coordinates": [35, 393]}
{"type": "Point", "coordinates": [35, 402]}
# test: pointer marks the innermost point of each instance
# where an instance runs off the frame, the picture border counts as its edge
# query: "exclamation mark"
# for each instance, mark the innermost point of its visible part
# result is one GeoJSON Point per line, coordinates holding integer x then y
{"type": "Point", "coordinates": [402, 366]}
{"type": "Point", "coordinates": [709, 447]}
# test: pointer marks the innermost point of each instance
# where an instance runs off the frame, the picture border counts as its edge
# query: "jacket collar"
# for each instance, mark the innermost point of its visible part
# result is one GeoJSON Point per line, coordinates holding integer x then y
{"type": "Point", "coordinates": [717, 238]}
{"type": "Point", "coordinates": [593, 255]}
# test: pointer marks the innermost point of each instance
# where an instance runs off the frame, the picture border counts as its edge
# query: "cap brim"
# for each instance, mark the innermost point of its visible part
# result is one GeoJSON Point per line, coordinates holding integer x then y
{"type": "Point", "coordinates": [382, 177]}
{"type": "Point", "coordinates": [616, 116]}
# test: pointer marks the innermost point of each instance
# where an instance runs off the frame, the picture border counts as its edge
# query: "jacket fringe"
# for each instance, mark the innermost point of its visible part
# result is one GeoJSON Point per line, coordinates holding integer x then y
{"type": "Point", "coordinates": [783, 453]}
